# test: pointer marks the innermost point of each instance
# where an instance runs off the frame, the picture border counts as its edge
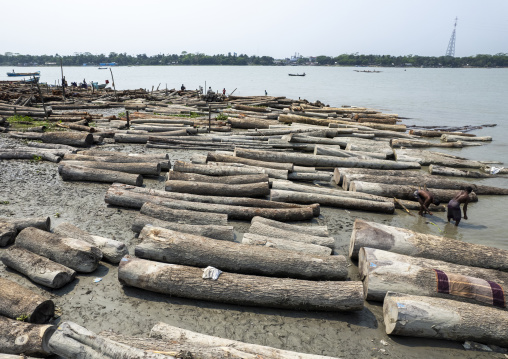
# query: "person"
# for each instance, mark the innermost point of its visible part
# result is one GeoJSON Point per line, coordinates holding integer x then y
{"type": "Point", "coordinates": [454, 205]}
{"type": "Point", "coordinates": [182, 88]}
{"type": "Point", "coordinates": [266, 93]}
{"type": "Point", "coordinates": [425, 198]}
{"type": "Point", "coordinates": [224, 91]}
{"type": "Point", "coordinates": [210, 91]}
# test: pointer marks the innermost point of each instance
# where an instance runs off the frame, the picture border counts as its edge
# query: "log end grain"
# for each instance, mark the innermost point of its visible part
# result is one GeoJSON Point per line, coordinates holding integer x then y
{"type": "Point", "coordinates": [43, 313]}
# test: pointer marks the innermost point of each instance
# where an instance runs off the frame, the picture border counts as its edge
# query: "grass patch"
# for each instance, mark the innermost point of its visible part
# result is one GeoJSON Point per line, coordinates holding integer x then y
{"type": "Point", "coordinates": [4, 202]}
{"type": "Point", "coordinates": [23, 122]}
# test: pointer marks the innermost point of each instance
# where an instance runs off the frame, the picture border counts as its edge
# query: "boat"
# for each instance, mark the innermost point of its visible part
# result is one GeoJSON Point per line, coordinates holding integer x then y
{"type": "Point", "coordinates": [98, 86]}
{"type": "Point", "coordinates": [103, 68]}
{"type": "Point", "coordinates": [371, 71]}
{"type": "Point", "coordinates": [297, 74]}
{"type": "Point", "coordinates": [23, 74]}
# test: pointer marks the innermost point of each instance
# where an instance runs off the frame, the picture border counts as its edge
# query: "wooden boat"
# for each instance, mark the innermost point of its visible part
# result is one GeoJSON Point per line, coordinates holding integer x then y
{"type": "Point", "coordinates": [297, 74]}
{"type": "Point", "coordinates": [98, 86]}
{"type": "Point", "coordinates": [25, 74]}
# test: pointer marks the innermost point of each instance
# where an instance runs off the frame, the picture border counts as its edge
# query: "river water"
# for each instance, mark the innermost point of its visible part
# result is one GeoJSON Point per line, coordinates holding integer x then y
{"type": "Point", "coordinates": [451, 97]}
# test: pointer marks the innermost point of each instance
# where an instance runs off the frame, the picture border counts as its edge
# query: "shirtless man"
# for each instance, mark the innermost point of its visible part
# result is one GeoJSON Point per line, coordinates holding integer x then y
{"type": "Point", "coordinates": [425, 198]}
{"type": "Point", "coordinates": [454, 205]}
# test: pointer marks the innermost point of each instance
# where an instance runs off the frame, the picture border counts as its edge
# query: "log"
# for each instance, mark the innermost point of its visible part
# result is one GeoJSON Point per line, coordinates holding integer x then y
{"type": "Point", "coordinates": [17, 301]}
{"type": "Point", "coordinates": [444, 282]}
{"type": "Point", "coordinates": [225, 233]}
{"type": "Point", "coordinates": [64, 138]}
{"type": "Point", "coordinates": [17, 337]}
{"type": "Point", "coordinates": [438, 318]}
{"type": "Point", "coordinates": [134, 197]}
{"type": "Point", "coordinates": [426, 158]}
{"type": "Point", "coordinates": [269, 231]}
{"type": "Point", "coordinates": [404, 241]}
{"type": "Point", "coordinates": [250, 122]}
{"type": "Point", "coordinates": [72, 341]}
{"type": "Point", "coordinates": [169, 246]}
{"type": "Point", "coordinates": [427, 133]}
{"type": "Point", "coordinates": [71, 252]}
{"type": "Point", "coordinates": [332, 151]}
{"type": "Point", "coordinates": [447, 171]}
{"type": "Point", "coordinates": [39, 269]}
{"type": "Point", "coordinates": [139, 168]}
{"type": "Point", "coordinates": [396, 143]}
{"type": "Point", "coordinates": [112, 250]}
{"type": "Point", "coordinates": [259, 189]}
{"type": "Point", "coordinates": [320, 231]}
{"type": "Point", "coordinates": [215, 157]}
{"type": "Point", "coordinates": [15, 154]}
{"type": "Point", "coordinates": [403, 191]}
{"type": "Point", "coordinates": [339, 173]}
{"type": "Point", "coordinates": [238, 179]}
{"type": "Point", "coordinates": [183, 216]}
{"type": "Point", "coordinates": [119, 158]}
{"type": "Point", "coordinates": [310, 176]}
{"type": "Point", "coordinates": [43, 223]}
{"type": "Point", "coordinates": [322, 161]}
{"type": "Point", "coordinates": [455, 138]}
{"type": "Point", "coordinates": [187, 282]}
{"type": "Point", "coordinates": [332, 201]}
{"type": "Point", "coordinates": [285, 244]}
{"type": "Point", "coordinates": [211, 170]}
{"type": "Point", "coordinates": [80, 173]}
{"type": "Point", "coordinates": [271, 172]}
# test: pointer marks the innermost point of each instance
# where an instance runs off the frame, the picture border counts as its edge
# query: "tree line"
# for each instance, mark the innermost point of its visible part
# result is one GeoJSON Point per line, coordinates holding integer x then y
{"type": "Point", "coordinates": [123, 59]}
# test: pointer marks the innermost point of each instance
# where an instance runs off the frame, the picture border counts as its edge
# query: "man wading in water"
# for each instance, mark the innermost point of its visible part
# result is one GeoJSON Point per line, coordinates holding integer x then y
{"type": "Point", "coordinates": [454, 205]}
{"type": "Point", "coordinates": [425, 198]}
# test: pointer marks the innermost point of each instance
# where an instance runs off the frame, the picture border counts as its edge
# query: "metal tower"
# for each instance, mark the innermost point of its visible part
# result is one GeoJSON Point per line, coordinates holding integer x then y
{"type": "Point", "coordinates": [450, 51]}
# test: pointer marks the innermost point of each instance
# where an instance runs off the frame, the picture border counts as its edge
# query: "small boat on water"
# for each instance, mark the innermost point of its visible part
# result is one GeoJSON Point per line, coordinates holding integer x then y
{"type": "Point", "coordinates": [371, 71]}
{"type": "Point", "coordinates": [297, 74]}
{"type": "Point", "coordinates": [23, 74]}
{"type": "Point", "coordinates": [103, 68]}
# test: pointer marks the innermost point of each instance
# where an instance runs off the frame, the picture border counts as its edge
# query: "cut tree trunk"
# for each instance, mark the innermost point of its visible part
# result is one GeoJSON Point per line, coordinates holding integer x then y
{"type": "Point", "coordinates": [16, 154]}
{"type": "Point", "coordinates": [17, 337]}
{"type": "Point", "coordinates": [102, 156]}
{"type": "Point", "coordinates": [70, 252]}
{"type": "Point", "coordinates": [215, 157]}
{"type": "Point", "coordinates": [411, 315]}
{"type": "Point", "coordinates": [310, 176]}
{"type": "Point", "coordinates": [319, 231]}
{"type": "Point", "coordinates": [339, 173]}
{"type": "Point", "coordinates": [239, 179]}
{"type": "Point", "coordinates": [80, 173]}
{"type": "Point", "coordinates": [332, 151]}
{"type": "Point", "coordinates": [225, 233]}
{"type": "Point", "coordinates": [259, 189]}
{"type": "Point", "coordinates": [404, 241]}
{"type": "Point", "coordinates": [111, 249]}
{"type": "Point", "coordinates": [187, 249]}
{"type": "Point", "coordinates": [43, 223]}
{"type": "Point", "coordinates": [17, 301]}
{"type": "Point", "coordinates": [64, 138]}
{"type": "Point", "coordinates": [447, 171]}
{"type": "Point", "coordinates": [139, 168]}
{"type": "Point", "coordinates": [183, 216]}
{"type": "Point", "coordinates": [210, 170]}
{"type": "Point", "coordinates": [285, 244]}
{"type": "Point", "coordinates": [251, 290]}
{"type": "Point", "coordinates": [39, 269]}
{"type": "Point", "coordinates": [455, 138]}
{"type": "Point", "coordinates": [262, 229]}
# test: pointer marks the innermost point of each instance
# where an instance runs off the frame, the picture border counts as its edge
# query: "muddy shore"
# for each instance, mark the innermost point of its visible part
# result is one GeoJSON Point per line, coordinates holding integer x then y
{"type": "Point", "coordinates": [36, 189]}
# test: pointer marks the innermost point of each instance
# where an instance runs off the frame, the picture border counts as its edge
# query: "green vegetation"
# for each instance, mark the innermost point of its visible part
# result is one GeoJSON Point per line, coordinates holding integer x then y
{"type": "Point", "coordinates": [121, 114]}
{"type": "Point", "coordinates": [23, 122]}
{"type": "Point", "coordinates": [221, 117]}
{"type": "Point", "coordinates": [23, 317]}
{"type": "Point", "coordinates": [4, 202]}
{"type": "Point", "coordinates": [36, 158]}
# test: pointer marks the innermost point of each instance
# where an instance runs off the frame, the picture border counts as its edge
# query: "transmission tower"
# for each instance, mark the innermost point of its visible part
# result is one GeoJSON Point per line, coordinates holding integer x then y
{"type": "Point", "coordinates": [450, 51]}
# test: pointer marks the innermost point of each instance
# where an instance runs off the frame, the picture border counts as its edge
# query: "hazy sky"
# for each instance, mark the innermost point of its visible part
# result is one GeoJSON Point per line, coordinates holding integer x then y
{"type": "Point", "coordinates": [276, 28]}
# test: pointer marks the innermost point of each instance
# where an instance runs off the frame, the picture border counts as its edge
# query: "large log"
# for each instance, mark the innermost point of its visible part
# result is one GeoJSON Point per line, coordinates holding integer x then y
{"type": "Point", "coordinates": [17, 337]}
{"type": "Point", "coordinates": [112, 250]}
{"type": "Point", "coordinates": [250, 122]}
{"type": "Point", "coordinates": [332, 201]}
{"type": "Point", "coordinates": [102, 156]}
{"type": "Point", "coordinates": [271, 172]}
{"type": "Point", "coordinates": [209, 344]}
{"type": "Point", "coordinates": [287, 244]}
{"type": "Point", "coordinates": [310, 176]}
{"type": "Point", "coordinates": [133, 197]}
{"type": "Point", "coordinates": [216, 157]}
{"type": "Point", "coordinates": [403, 191]}
{"type": "Point", "coordinates": [139, 168]}
{"type": "Point", "coordinates": [438, 318]}
{"type": "Point", "coordinates": [80, 173]}
{"type": "Point", "coordinates": [260, 228]}
{"type": "Point", "coordinates": [225, 233]}
{"type": "Point", "coordinates": [169, 246]}
{"type": "Point", "coordinates": [332, 151]}
{"type": "Point", "coordinates": [455, 138]}
{"type": "Point", "coordinates": [426, 158]}
{"type": "Point", "coordinates": [339, 173]}
{"type": "Point", "coordinates": [213, 170]}
{"type": "Point", "coordinates": [183, 216]}
{"type": "Point", "coordinates": [251, 290]}
{"type": "Point", "coordinates": [259, 189]}
{"type": "Point", "coordinates": [396, 143]}
{"type": "Point", "coordinates": [64, 138]}
{"type": "Point", "coordinates": [320, 231]}
{"type": "Point", "coordinates": [39, 269]}
{"type": "Point", "coordinates": [404, 241]}
{"type": "Point", "coordinates": [71, 252]}
{"type": "Point", "coordinates": [72, 341]}
{"type": "Point", "coordinates": [238, 179]}
{"type": "Point", "coordinates": [17, 301]}
{"type": "Point", "coordinates": [381, 276]}
{"type": "Point", "coordinates": [322, 161]}
{"type": "Point", "coordinates": [427, 133]}
{"type": "Point", "coordinates": [447, 171]}
{"type": "Point", "coordinates": [16, 154]}
{"type": "Point", "coordinates": [43, 223]}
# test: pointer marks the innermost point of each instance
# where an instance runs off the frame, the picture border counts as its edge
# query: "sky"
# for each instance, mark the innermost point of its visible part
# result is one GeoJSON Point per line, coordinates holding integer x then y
{"type": "Point", "coordinates": [277, 28]}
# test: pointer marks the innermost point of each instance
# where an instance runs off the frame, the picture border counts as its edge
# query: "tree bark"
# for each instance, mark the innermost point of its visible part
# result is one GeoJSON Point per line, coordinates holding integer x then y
{"type": "Point", "coordinates": [322, 161]}
{"type": "Point", "coordinates": [64, 138]}
{"type": "Point", "coordinates": [310, 176]}
{"type": "Point", "coordinates": [118, 158]}
{"type": "Point", "coordinates": [238, 179]}
{"type": "Point", "coordinates": [8, 232]}
{"type": "Point", "coordinates": [210, 170]}
{"type": "Point", "coordinates": [215, 157]}
{"type": "Point", "coordinates": [437, 318]}
{"type": "Point", "coordinates": [455, 138]}
{"type": "Point", "coordinates": [225, 233]}
{"type": "Point", "coordinates": [426, 158]}
{"type": "Point", "coordinates": [17, 301]}
{"type": "Point", "coordinates": [111, 249]}
{"type": "Point", "coordinates": [404, 241]}
{"type": "Point", "coordinates": [331, 151]}
{"type": "Point", "coordinates": [339, 173]}
{"type": "Point", "coordinates": [332, 201]}
{"type": "Point", "coordinates": [80, 173]}
{"type": "Point", "coordinates": [447, 171]}
{"type": "Point", "coordinates": [139, 168]}
{"type": "Point", "coordinates": [425, 133]}
{"type": "Point", "coordinates": [250, 122]}
{"type": "Point", "coordinates": [285, 244]}
{"type": "Point", "coordinates": [169, 246]}
{"type": "Point", "coordinates": [251, 290]}
{"type": "Point", "coordinates": [319, 231]}
{"type": "Point", "coordinates": [39, 269]}
{"type": "Point", "coordinates": [43, 223]}
{"type": "Point", "coordinates": [397, 143]}
{"type": "Point", "coordinates": [24, 338]}
{"type": "Point", "coordinates": [183, 216]}
{"type": "Point", "coordinates": [259, 189]}
{"type": "Point", "coordinates": [271, 172]}
{"type": "Point", "coordinates": [72, 341]}
{"type": "Point", "coordinates": [16, 154]}
{"type": "Point", "coordinates": [269, 231]}
{"type": "Point", "coordinates": [70, 252]}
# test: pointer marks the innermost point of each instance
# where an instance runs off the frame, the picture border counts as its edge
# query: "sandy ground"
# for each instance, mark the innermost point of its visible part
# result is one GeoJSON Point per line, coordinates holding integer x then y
{"type": "Point", "coordinates": [36, 189]}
